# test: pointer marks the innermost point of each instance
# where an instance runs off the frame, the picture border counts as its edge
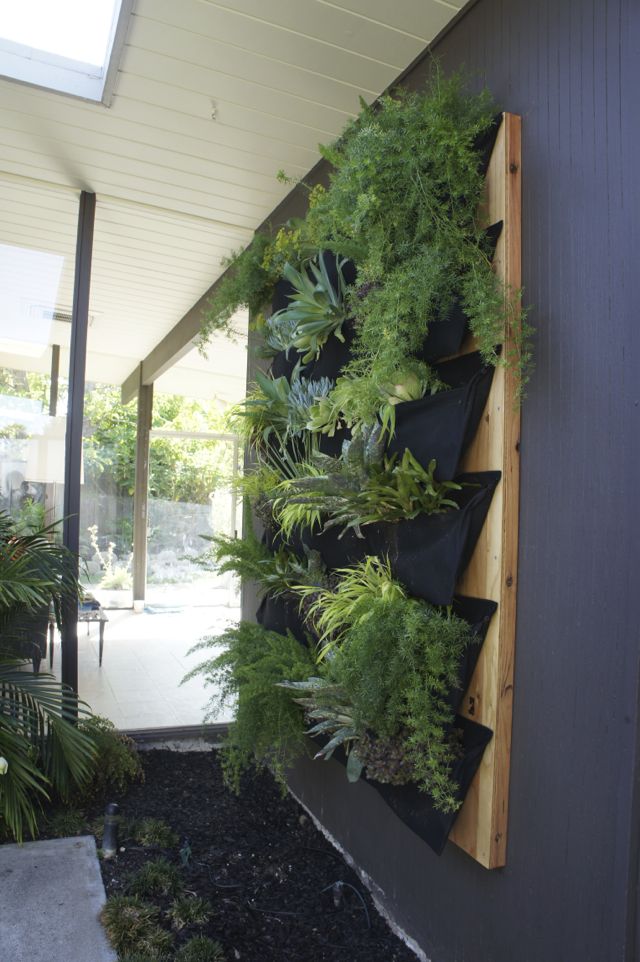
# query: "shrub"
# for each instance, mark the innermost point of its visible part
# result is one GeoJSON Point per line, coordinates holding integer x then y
{"type": "Point", "coordinates": [118, 763]}
{"type": "Point", "coordinates": [65, 822]}
{"type": "Point", "coordinates": [41, 749]}
{"type": "Point", "coordinates": [132, 926]}
{"type": "Point", "coordinates": [157, 877]}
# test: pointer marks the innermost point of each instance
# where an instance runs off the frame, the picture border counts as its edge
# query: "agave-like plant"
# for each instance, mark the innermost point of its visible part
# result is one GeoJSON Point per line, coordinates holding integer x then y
{"type": "Point", "coordinates": [277, 407]}
{"type": "Point", "coordinates": [328, 709]}
{"type": "Point", "coordinates": [317, 309]}
{"type": "Point", "coordinates": [40, 746]}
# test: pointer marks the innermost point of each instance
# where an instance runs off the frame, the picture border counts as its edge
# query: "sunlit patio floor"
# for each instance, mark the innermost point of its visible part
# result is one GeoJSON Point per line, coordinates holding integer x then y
{"type": "Point", "coordinates": [145, 659]}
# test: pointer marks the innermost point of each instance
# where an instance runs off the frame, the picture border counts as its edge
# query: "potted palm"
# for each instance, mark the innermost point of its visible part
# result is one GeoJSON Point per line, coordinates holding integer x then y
{"type": "Point", "coordinates": [41, 747]}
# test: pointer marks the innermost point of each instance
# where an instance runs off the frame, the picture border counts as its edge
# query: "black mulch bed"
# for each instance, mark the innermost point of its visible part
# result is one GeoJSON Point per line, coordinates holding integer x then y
{"type": "Point", "coordinates": [259, 860]}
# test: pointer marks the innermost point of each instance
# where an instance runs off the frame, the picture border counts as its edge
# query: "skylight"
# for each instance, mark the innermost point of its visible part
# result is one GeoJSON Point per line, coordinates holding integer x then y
{"type": "Point", "coordinates": [64, 45]}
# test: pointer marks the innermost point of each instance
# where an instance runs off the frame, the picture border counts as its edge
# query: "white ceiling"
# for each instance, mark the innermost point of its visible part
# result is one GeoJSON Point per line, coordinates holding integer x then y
{"type": "Point", "coordinates": [210, 101]}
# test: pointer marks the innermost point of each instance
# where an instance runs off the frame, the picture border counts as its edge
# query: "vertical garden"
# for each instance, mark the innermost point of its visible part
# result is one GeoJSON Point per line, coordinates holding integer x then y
{"type": "Point", "coordinates": [387, 323]}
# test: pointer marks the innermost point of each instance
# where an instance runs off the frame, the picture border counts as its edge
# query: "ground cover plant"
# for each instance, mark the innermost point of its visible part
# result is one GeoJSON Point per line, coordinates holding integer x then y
{"type": "Point", "coordinates": [258, 882]}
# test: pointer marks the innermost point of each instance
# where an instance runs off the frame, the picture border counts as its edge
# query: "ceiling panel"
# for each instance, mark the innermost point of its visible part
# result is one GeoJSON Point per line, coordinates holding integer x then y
{"type": "Point", "coordinates": [178, 188]}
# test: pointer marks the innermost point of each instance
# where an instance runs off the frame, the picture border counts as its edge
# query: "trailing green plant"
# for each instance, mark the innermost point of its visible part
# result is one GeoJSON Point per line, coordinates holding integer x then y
{"type": "Point", "coordinates": [402, 201]}
{"type": "Point", "coordinates": [132, 927]}
{"type": "Point", "coordinates": [156, 877]}
{"type": "Point", "coordinates": [189, 910]}
{"type": "Point", "coordinates": [245, 283]}
{"type": "Point", "coordinates": [359, 488]}
{"type": "Point", "coordinates": [119, 761]}
{"type": "Point", "coordinates": [267, 728]}
{"type": "Point", "coordinates": [396, 668]}
{"type": "Point", "coordinates": [275, 572]}
{"type": "Point", "coordinates": [316, 310]}
{"type": "Point", "coordinates": [200, 949]}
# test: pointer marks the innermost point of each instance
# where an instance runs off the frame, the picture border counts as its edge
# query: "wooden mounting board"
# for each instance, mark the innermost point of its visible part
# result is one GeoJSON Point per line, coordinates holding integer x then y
{"type": "Point", "coordinates": [481, 826]}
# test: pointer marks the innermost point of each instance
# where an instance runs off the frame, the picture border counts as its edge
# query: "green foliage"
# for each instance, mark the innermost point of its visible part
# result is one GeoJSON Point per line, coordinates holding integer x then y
{"type": "Point", "coordinates": [65, 822]}
{"type": "Point", "coordinates": [184, 471]}
{"type": "Point", "coordinates": [328, 709]}
{"type": "Point", "coordinates": [334, 611]}
{"type": "Point", "coordinates": [359, 488]}
{"type": "Point", "coordinates": [396, 666]}
{"type": "Point", "coordinates": [246, 283]}
{"type": "Point", "coordinates": [132, 927]}
{"type": "Point", "coordinates": [189, 910]}
{"type": "Point", "coordinates": [200, 949]}
{"type": "Point", "coordinates": [316, 309]}
{"type": "Point", "coordinates": [156, 877]}
{"type": "Point", "coordinates": [274, 572]}
{"type": "Point", "coordinates": [267, 729]}
{"type": "Point", "coordinates": [43, 749]}
{"type": "Point", "coordinates": [118, 762]}
{"type": "Point", "coordinates": [153, 833]}
{"type": "Point", "coordinates": [277, 408]}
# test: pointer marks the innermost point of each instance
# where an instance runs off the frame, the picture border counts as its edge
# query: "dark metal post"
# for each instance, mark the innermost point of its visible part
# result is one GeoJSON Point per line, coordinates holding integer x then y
{"type": "Point", "coordinates": [53, 387]}
{"type": "Point", "coordinates": [75, 411]}
{"type": "Point", "coordinates": [141, 493]}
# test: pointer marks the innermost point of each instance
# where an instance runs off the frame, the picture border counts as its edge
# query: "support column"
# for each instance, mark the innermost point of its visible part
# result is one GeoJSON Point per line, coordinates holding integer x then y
{"type": "Point", "coordinates": [141, 494]}
{"type": "Point", "coordinates": [75, 412]}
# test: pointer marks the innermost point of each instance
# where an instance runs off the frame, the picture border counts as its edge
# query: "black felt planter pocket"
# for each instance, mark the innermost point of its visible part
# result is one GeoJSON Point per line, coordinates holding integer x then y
{"type": "Point", "coordinates": [414, 807]}
{"type": "Point", "coordinates": [446, 334]}
{"type": "Point", "coordinates": [428, 554]}
{"type": "Point", "coordinates": [349, 269]}
{"type": "Point", "coordinates": [282, 294]}
{"type": "Point", "coordinates": [336, 551]}
{"type": "Point", "coordinates": [485, 142]}
{"type": "Point", "coordinates": [442, 425]}
{"type": "Point", "coordinates": [282, 614]}
{"type": "Point", "coordinates": [477, 612]}
{"type": "Point", "coordinates": [333, 445]}
{"type": "Point", "coordinates": [282, 366]}
{"type": "Point", "coordinates": [334, 355]}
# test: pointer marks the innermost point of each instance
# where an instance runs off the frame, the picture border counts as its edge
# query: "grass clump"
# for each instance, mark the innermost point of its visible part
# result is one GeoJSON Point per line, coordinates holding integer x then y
{"type": "Point", "coordinates": [132, 926]}
{"type": "Point", "coordinates": [153, 833]}
{"type": "Point", "coordinates": [156, 877]}
{"type": "Point", "coordinates": [187, 910]}
{"type": "Point", "coordinates": [200, 949]}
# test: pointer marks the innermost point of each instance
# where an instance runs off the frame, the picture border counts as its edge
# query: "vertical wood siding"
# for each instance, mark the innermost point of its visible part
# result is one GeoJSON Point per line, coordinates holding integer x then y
{"type": "Point", "coordinates": [572, 70]}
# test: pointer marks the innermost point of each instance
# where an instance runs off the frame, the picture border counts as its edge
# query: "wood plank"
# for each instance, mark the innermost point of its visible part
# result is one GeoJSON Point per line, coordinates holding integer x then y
{"type": "Point", "coordinates": [481, 827]}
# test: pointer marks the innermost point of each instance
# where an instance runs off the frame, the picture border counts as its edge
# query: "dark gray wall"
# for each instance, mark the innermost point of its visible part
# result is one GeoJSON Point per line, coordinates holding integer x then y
{"type": "Point", "coordinates": [568, 893]}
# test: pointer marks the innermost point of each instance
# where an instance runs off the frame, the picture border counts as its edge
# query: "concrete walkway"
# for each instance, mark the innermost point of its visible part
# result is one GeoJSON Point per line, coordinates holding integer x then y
{"type": "Point", "coordinates": [51, 893]}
